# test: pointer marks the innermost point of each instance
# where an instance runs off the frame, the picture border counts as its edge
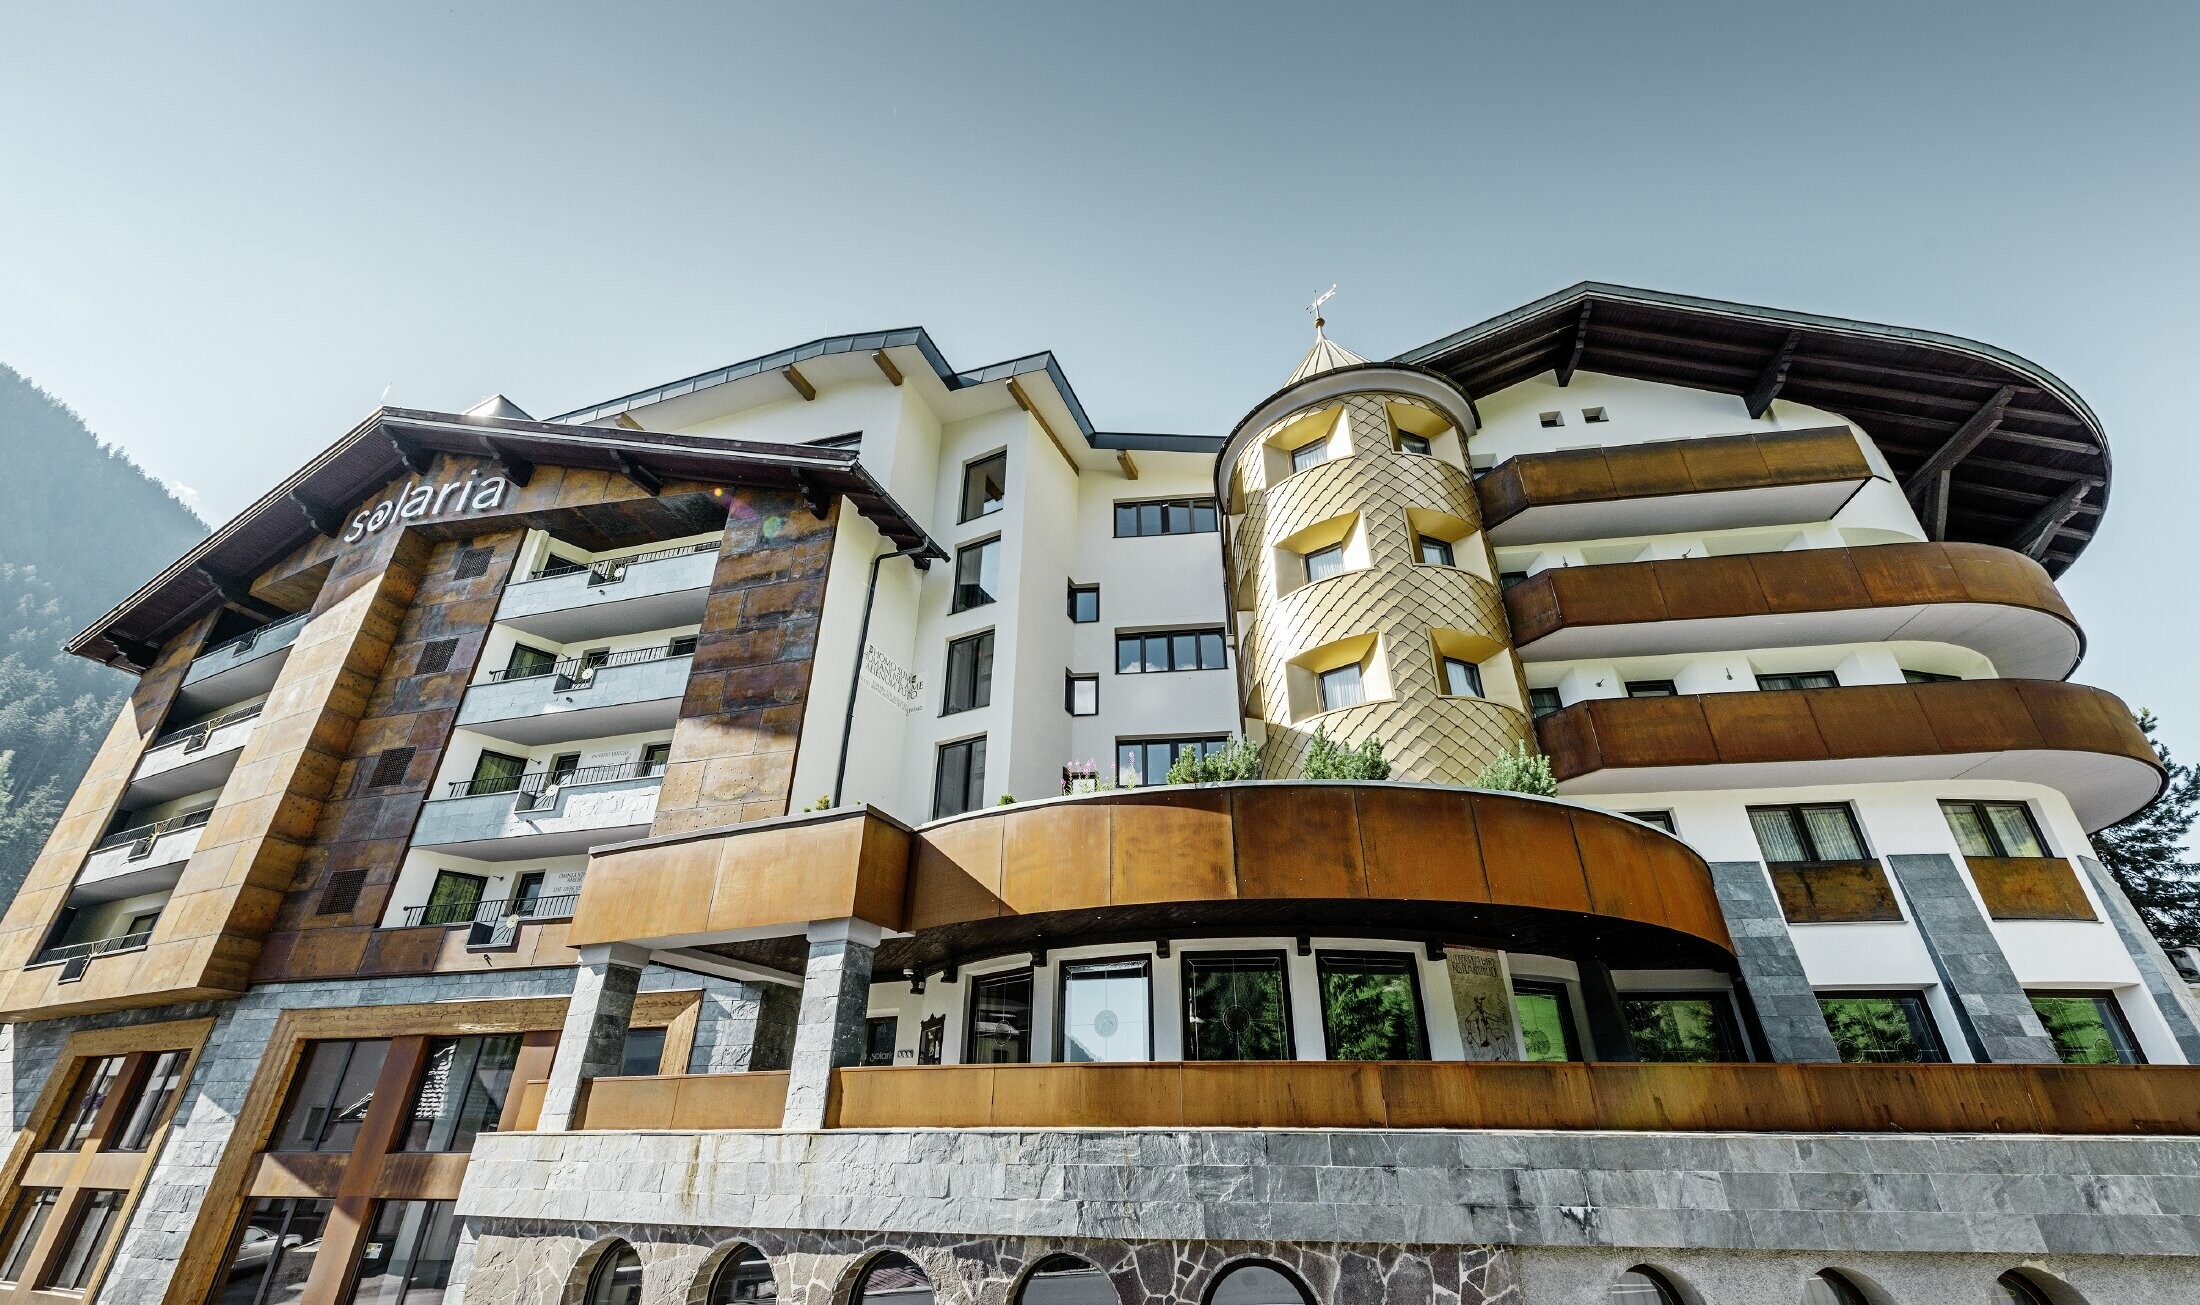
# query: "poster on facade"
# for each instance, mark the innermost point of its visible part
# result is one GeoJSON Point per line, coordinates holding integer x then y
{"type": "Point", "coordinates": [1482, 999]}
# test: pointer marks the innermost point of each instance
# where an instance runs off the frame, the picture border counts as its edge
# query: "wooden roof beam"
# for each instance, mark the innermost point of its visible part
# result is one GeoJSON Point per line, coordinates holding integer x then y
{"type": "Point", "coordinates": [800, 383]}
{"type": "Point", "coordinates": [326, 520]}
{"type": "Point", "coordinates": [2033, 537]}
{"type": "Point", "coordinates": [1123, 460]}
{"type": "Point", "coordinates": [1774, 376]}
{"type": "Point", "coordinates": [517, 469]}
{"type": "Point", "coordinates": [816, 495]}
{"type": "Point", "coordinates": [417, 458]}
{"type": "Point", "coordinates": [1928, 487]}
{"type": "Point", "coordinates": [1581, 343]}
{"type": "Point", "coordinates": [886, 365]}
{"type": "Point", "coordinates": [639, 472]}
{"type": "Point", "coordinates": [1023, 400]}
{"type": "Point", "coordinates": [238, 594]}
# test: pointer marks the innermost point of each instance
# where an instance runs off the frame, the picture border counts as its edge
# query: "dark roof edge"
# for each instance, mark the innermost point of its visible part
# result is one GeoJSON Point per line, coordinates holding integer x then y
{"type": "Point", "coordinates": [1159, 443]}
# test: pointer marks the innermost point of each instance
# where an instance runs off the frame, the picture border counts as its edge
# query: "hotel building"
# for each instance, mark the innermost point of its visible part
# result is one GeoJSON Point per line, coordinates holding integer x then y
{"type": "Point", "coordinates": [717, 845]}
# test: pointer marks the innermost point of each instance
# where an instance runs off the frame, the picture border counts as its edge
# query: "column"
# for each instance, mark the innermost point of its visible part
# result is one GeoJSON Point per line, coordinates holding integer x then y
{"type": "Point", "coordinates": [2172, 995]}
{"type": "Point", "coordinates": [1608, 1037]}
{"type": "Point", "coordinates": [1788, 1014]}
{"type": "Point", "coordinates": [828, 1030]}
{"type": "Point", "coordinates": [1997, 1018]}
{"type": "Point", "coordinates": [593, 1041]}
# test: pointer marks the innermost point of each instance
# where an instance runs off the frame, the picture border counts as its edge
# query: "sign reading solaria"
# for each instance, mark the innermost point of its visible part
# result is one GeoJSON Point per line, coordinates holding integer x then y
{"type": "Point", "coordinates": [468, 495]}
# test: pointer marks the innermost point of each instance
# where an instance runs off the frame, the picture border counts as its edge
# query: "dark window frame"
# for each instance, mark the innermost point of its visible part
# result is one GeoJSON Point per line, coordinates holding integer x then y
{"type": "Point", "coordinates": [973, 983]}
{"type": "Point", "coordinates": [1359, 680]}
{"type": "Point", "coordinates": [1923, 1026]}
{"type": "Point", "coordinates": [1327, 959]}
{"type": "Point", "coordinates": [1399, 435]}
{"type": "Point", "coordinates": [1175, 743]}
{"type": "Point", "coordinates": [1802, 830]}
{"type": "Point", "coordinates": [963, 513]}
{"type": "Point", "coordinates": [1077, 591]}
{"type": "Point", "coordinates": [1185, 965]}
{"type": "Point", "coordinates": [1200, 635]}
{"type": "Point", "coordinates": [974, 750]}
{"type": "Point", "coordinates": [1661, 819]}
{"type": "Point", "coordinates": [2118, 1024]}
{"type": "Point", "coordinates": [1325, 552]}
{"type": "Point", "coordinates": [1061, 996]}
{"type": "Point", "coordinates": [1782, 681]}
{"type": "Point", "coordinates": [981, 645]}
{"type": "Point", "coordinates": [1544, 702]}
{"type": "Point", "coordinates": [1445, 662]}
{"type": "Point", "coordinates": [1563, 993]}
{"type": "Point", "coordinates": [1726, 1015]}
{"type": "Point", "coordinates": [1993, 835]}
{"type": "Point", "coordinates": [1422, 544]}
{"type": "Point", "coordinates": [1194, 509]}
{"type": "Point", "coordinates": [1070, 681]}
{"type": "Point", "coordinates": [976, 596]}
{"type": "Point", "coordinates": [1651, 688]}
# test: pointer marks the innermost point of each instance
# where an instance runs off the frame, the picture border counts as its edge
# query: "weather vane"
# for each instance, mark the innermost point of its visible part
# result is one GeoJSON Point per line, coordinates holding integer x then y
{"type": "Point", "coordinates": [1316, 309]}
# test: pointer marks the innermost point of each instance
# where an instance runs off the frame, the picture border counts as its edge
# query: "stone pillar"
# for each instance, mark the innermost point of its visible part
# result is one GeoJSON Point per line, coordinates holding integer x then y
{"type": "Point", "coordinates": [1997, 1018]}
{"type": "Point", "coordinates": [1787, 1010]}
{"type": "Point", "coordinates": [2172, 995]}
{"type": "Point", "coordinates": [593, 1041]}
{"type": "Point", "coordinates": [828, 1030]}
{"type": "Point", "coordinates": [1608, 1036]}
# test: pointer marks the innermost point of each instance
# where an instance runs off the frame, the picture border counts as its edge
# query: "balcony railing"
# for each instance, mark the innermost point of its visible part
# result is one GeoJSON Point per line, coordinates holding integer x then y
{"type": "Point", "coordinates": [494, 923]}
{"type": "Point", "coordinates": [539, 788]}
{"type": "Point", "coordinates": [142, 837]}
{"type": "Point", "coordinates": [75, 957]}
{"type": "Point", "coordinates": [612, 570]}
{"type": "Point", "coordinates": [573, 672]}
{"type": "Point", "coordinates": [245, 642]}
{"type": "Point", "coordinates": [193, 737]}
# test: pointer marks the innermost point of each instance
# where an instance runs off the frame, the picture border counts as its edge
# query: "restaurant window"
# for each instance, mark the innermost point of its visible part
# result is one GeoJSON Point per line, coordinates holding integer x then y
{"type": "Point", "coordinates": [1798, 680]}
{"type": "Point", "coordinates": [87, 1237]}
{"type": "Point", "coordinates": [1652, 689]}
{"type": "Point", "coordinates": [1081, 695]}
{"type": "Point", "coordinates": [1170, 650]}
{"type": "Point", "coordinates": [1084, 604]}
{"type": "Point", "coordinates": [1882, 1028]}
{"type": "Point", "coordinates": [461, 1094]}
{"type": "Point", "coordinates": [1066, 1280]}
{"type": "Point", "coordinates": [969, 674]}
{"type": "Point", "coordinates": [329, 1099]}
{"type": "Point", "coordinates": [24, 1226]}
{"type": "Point", "coordinates": [1236, 1007]}
{"type": "Point", "coordinates": [1106, 1011]}
{"type": "Point", "coordinates": [1695, 1027]}
{"type": "Point", "coordinates": [1542, 702]}
{"type": "Point", "coordinates": [977, 575]}
{"type": "Point", "coordinates": [617, 1277]}
{"type": "Point", "coordinates": [1181, 516]}
{"type": "Point", "coordinates": [1371, 1006]}
{"type": "Point", "coordinates": [643, 1053]}
{"type": "Point", "coordinates": [1462, 678]}
{"type": "Point", "coordinates": [1000, 1019]}
{"type": "Point", "coordinates": [1998, 829]}
{"type": "Point", "coordinates": [94, 1082]}
{"type": "Point", "coordinates": [879, 1033]}
{"type": "Point", "coordinates": [273, 1254]}
{"type": "Point", "coordinates": [958, 779]}
{"type": "Point", "coordinates": [1147, 761]}
{"type": "Point", "coordinates": [1342, 686]}
{"type": "Point", "coordinates": [408, 1253]}
{"type": "Point", "coordinates": [1546, 1017]}
{"type": "Point", "coordinates": [1323, 563]}
{"type": "Point", "coordinates": [2088, 1028]}
{"type": "Point", "coordinates": [150, 1106]}
{"type": "Point", "coordinates": [985, 486]}
{"type": "Point", "coordinates": [1434, 551]}
{"type": "Point", "coordinates": [1824, 832]}
{"type": "Point", "coordinates": [743, 1275]}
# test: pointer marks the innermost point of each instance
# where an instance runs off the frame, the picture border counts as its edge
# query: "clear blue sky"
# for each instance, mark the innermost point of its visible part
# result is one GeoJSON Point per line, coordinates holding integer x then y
{"type": "Point", "coordinates": [226, 230]}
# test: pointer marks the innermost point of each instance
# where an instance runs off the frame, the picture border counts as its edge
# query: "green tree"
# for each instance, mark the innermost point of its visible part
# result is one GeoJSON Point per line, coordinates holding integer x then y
{"type": "Point", "coordinates": [1519, 771]}
{"type": "Point", "coordinates": [1328, 759]}
{"type": "Point", "coordinates": [2147, 854]}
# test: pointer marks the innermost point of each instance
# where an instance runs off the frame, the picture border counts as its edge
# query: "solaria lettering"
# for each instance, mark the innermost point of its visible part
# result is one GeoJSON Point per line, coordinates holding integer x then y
{"type": "Point", "coordinates": [468, 495]}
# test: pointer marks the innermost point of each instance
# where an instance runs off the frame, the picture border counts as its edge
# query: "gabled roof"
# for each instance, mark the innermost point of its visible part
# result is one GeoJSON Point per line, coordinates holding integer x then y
{"type": "Point", "coordinates": [2026, 464]}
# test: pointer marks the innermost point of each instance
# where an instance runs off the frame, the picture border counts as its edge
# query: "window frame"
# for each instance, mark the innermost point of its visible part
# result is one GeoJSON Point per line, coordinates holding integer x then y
{"type": "Point", "coordinates": [1444, 663]}
{"type": "Point", "coordinates": [1319, 444]}
{"type": "Point", "coordinates": [1325, 553]}
{"type": "Point", "coordinates": [2117, 1023]}
{"type": "Point", "coordinates": [1077, 591]}
{"type": "Point", "coordinates": [1144, 960]}
{"type": "Point", "coordinates": [1070, 681]}
{"type": "Point", "coordinates": [1763, 687]}
{"type": "Point", "coordinates": [972, 984]}
{"type": "Point", "coordinates": [981, 645]}
{"type": "Point", "coordinates": [975, 550]}
{"type": "Point", "coordinates": [1176, 743]}
{"type": "Point", "coordinates": [1993, 835]}
{"type": "Point", "coordinates": [1185, 964]}
{"type": "Point", "coordinates": [1327, 959]}
{"type": "Point", "coordinates": [1192, 505]}
{"type": "Point", "coordinates": [1726, 1016]}
{"type": "Point", "coordinates": [1925, 1028]}
{"type": "Point", "coordinates": [1563, 993]}
{"type": "Point", "coordinates": [1659, 819]}
{"type": "Point", "coordinates": [974, 772]}
{"type": "Point", "coordinates": [69, 1245]}
{"type": "Point", "coordinates": [1537, 710]}
{"type": "Point", "coordinates": [1671, 690]}
{"type": "Point", "coordinates": [963, 514]}
{"type": "Point", "coordinates": [1423, 543]}
{"type": "Point", "coordinates": [1169, 635]}
{"type": "Point", "coordinates": [1398, 437]}
{"type": "Point", "coordinates": [1322, 680]}
{"type": "Point", "coordinates": [1808, 840]}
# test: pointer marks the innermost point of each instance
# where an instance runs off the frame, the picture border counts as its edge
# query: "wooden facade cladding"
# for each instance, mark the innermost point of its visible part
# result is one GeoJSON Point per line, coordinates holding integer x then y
{"type": "Point", "coordinates": [756, 1099]}
{"type": "Point", "coordinates": [1164, 847]}
{"type": "Point", "coordinates": [1834, 892]}
{"type": "Point", "coordinates": [1568, 606]}
{"type": "Point", "coordinates": [2029, 888]}
{"type": "Point", "coordinates": [1528, 484]}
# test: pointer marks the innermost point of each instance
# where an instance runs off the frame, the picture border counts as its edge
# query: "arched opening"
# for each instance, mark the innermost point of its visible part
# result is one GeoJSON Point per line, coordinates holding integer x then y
{"type": "Point", "coordinates": [1256, 1282]}
{"type": "Point", "coordinates": [743, 1274]}
{"type": "Point", "coordinates": [617, 1277]}
{"type": "Point", "coordinates": [1065, 1280]}
{"type": "Point", "coordinates": [1831, 1287]}
{"type": "Point", "coordinates": [2020, 1287]}
{"type": "Point", "coordinates": [892, 1279]}
{"type": "Point", "coordinates": [1642, 1285]}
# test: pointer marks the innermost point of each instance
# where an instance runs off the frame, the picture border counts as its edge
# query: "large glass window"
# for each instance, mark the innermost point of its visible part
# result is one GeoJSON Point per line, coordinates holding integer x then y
{"type": "Point", "coordinates": [454, 898]}
{"type": "Point", "coordinates": [1546, 1016]}
{"type": "Point", "coordinates": [1682, 1026]}
{"type": "Point", "coordinates": [2088, 1028]}
{"type": "Point", "coordinates": [1147, 761]}
{"type": "Point", "coordinates": [1641, 1286]}
{"type": "Point", "coordinates": [985, 486]}
{"type": "Point", "coordinates": [1371, 1006]}
{"type": "Point", "coordinates": [958, 781]}
{"type": "Point", "coordinates": [1342, 687]}
{"type": "Point", "coordinates": [1184, 516]}
{"type": "Point", "coordinates": [1066, 1280]}
{"type": "Point", "coordinates": [643, 1053]}
{"type": "Point", "coordinates": [1258, 1284]}
{"type": "Point", "coordinates": [1798, 680]}
{"type": "Point", "coordinates": [893, 1279]}
{"type": "Point", "coordinates": [330, 1096]}
{"type": "Point", "coordinates": [407, 1260]}
{"type": "Point", "coordinates": [273, 1254]}
{"type": "Point", "coordinates": [1000, 1019]}
{"type": "Point", "coordinates": [1170, 650]}
{"type": "Point", "coordinates": [617, 1278]}
{"type": "Point", "coordinates": [969, 674]}
{"type": "Point", "coordinates": [163, 1079]}
{"type": "Point", "coordinates": [496, 772]}
{"type": "Point", "coordinates": [743, 1275]}
{"type": "Point", "coordinates": [1994, 828]}
{"type": "Point", "coordinates": [93, 1084]}
{"type": "Point", "coordinates": [87, 1237]}
{"type": "Point", "coordinates": [1106, 1011]}
{"type": "Point", "coordinates": [1808, 833]}
{"type": "Point", "coordinates": [1882, 1027]}
{"type": "Point", "coordinates": [461, 1092]}
{"type": "Point", "coordinates": [977, 575]}
{"type": "Point", "coordinates": [24, 1226]}
{"type": "Point", "coordinates": [1323, 563]}
{"type": "Point", "coordinates": [1236, 1007]}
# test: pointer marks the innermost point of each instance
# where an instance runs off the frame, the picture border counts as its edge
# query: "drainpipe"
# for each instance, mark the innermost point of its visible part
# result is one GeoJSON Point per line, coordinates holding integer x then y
{"type": "Point", "coordinates": [863, 640]}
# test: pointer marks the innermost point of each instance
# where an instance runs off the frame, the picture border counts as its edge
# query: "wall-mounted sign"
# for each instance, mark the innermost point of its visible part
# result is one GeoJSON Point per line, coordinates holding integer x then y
{"type": "Point", "coordinates": [887, 678]}
{"type": "Point", "coordinates": [1481, 995]}
{"type": "Point", "coordinates": [422, 501]}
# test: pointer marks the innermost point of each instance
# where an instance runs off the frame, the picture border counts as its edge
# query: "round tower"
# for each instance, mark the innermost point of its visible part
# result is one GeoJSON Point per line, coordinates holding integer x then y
{"type": "Point", "coordinates": [1364, 592]}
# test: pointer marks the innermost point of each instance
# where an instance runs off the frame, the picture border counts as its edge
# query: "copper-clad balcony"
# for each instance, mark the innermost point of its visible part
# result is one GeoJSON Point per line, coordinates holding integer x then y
{"type": "Point", "coordinates": [1724, 482]}
{"type": "Point", "coordinates": [1995, 602]}
{"type": "Point", "coordinates": [2072, 737]}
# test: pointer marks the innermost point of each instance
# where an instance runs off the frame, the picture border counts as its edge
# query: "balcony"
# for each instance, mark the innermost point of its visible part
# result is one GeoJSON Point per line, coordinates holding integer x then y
{"type": "Point", "coordinates": [1722, 483]}
{"type": "Point", "coordinates": [566, 603]}
{"type": "Point", "coordinates": [542, 814]}
{"type": "Point", "coordinates": [2071, 737]}
{"type": "Point", "coordinates": [490, 924]}
{"type": "Point", "coordinates": [245, 667]}
{"type": "Point", "coordinates": [75, 958]}
{"type": "Point", "coordinates": [1993, 601]}
{"type": "Point", "coordinates": [579, 698]}
{"type": "Point", "coordinates": [142, 859]}
{"type": "Point", "coordinates": [192, 759]}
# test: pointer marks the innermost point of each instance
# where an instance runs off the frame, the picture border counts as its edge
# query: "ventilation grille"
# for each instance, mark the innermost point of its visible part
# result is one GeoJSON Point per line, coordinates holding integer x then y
{"type": "Point", "coordinates": [436, 655]}
{"type": "Point", "coordinates": [342, 893]}
{"type": "Point", "coordinates": [390, 768]}
{"type": "Point", "coordinates": [474, 562]}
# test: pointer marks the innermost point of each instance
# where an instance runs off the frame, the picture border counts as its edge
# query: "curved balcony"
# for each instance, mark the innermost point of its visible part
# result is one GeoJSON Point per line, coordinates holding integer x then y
{"type": "Point", "coordinates": [2072, 737]}
{"type": "Point", "coordinates": [1410, 861]}
{"type": "Point", "coordinates": [649, 591]}
{"type": "Point", "coordinates": [1721, 483]}
{"type": "Point", "coordinates": [1998, 603]}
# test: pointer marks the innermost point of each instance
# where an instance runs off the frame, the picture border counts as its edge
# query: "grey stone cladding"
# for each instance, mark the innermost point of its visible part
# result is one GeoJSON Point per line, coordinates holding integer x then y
{"type": "Point", "coordinates": [1997, 1018]}
{"type": "Point", "coordinates": [1787, 1008]}
{"type": "Point", "coordinates": [2172, 995]}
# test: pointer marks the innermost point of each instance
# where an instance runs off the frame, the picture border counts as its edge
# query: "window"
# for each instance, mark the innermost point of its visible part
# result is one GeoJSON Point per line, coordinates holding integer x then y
{"type": "Point", "coordinates": [743, 1275]}
{"type": "Point", "coordinates": [150, 1108]}
{"type": "Point", "coordinates": [1000, 1019]}
{"type": "Point", "coordinates": [1928, 677]}
{"type": "Point", "coordinates": [654, 758]}
{"type": "Point", "coordinates": [1507, 579]}
{"type": "Point", "coordinates": [958, 782]}
{"type": "Point", "coordinates": [1434, 551]}
{"type": "Point", "coordinates": [1106, 1011]}
{"type": "Point", "coordinates": [1550, 420]}
{"type": "Point", "coordinates": [1310, 455]}
{"type": "Point", "coordinates": [1258, 1284]}
{"type": "Point", "coordinates": [1994, 828]}
{"type": "Point", "coordinates": [1236, 1007]}
{"type": "Point", "coordinates": [977, 575]}
{"type": "Point", "coordinates": [682, 645]}
{"type": "Point", "coordinates": [1652, 689]}
{"type": "Point", "coordinates": [1884, 1028]}
{"type": "Point", "coordinates": [96, 1080]}
{"type": "Point", "coordinates": [1371, 1006]}
{"type": "Point", "coordinates": [334, 1087]}
{"type": "Point", "coordinates": [453, 898]}
{"type": "Point", "coordinates": [461, 1093]}
{"type": "Point", "coordinates": [1681, 1026]}
{"type": "Point", "coordinates": [985, 486]}
{"type": "Point", "coordinates": [2088, 1028]}
{"type": "Point", "coordinates": [879, 1033]}
{"type": "Point", "coordinates": [527, 662]}
{"type": "Point", "coordinates": [1147, 761]}
{"type": "Point", "coordinates": [931, 1039]}
{"type": "Point", "coordinates": [1808, 833]}
{"type": "Point", "coordinates": [1542, 702]}
{"type": "Point", "coordinates": [1342, 687]}
{"type": "Point", "coordinates": [1323, 563]}
{"type": "Point", "coordinates": [1081, 695]}
{"type": "Point", "coordinates": [273, 1253]}
{"type": "Point", "coordinates": [2013, 1288]}
{"type": "Point", "coordinates": [1462, 678]}
{"type": "Point", "coordinates": [496, 772]}
{"type": "Point", "coordinates": [1593, 415]}
{"type": "Point", "coordinates": [407, 1260]}
{"type": "Point", "coordinates": [1066, 1280]}
{"type": "Point", "coordinates": [24, 1227]}
{"type": "Point", "coordinates": [1641, 1286]}
{"type": "Point", "coordinates": [1408, 442]}
{"type": "Point", "coordinates": [1798, 680]}
{"type": "Point", "coordinates": [1177, 516]}
{"type": "Point", "coordinates": [1546, 1018]}
{"type": "Point", "coordinates": [893, 1279]}
{"type": "Point", "coordinates": [969, 674]}
{"type": "Point", "coordinates": [617, 1277]}
{"type": "Point", "coordinates": [87, 1237]}
{"type": "Point", "coordinates": [1662, 819]}
{"type": "Point", "coordinates": [1170, 650]}
{"type": "Point", "coordinates": [1084, 604]}
{"type": "Point", "coordinates": [1827, 1287]}
{"type": "Point", "coordinates": [643, 1053]}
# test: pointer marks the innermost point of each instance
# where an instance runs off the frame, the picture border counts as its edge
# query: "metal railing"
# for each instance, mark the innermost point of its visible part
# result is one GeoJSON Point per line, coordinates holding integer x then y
{"type": "Point", "coordinates": [540, 788]}
{"type": "Point", "coordinates": [144, 836]}
{"type": "Point", "coordinates": [612, 570]}
{"type": "Point", "coordinates": [75, 956]}
{"type": "Point", "coordinates": [244, 642]}
{"type": "Point", "coordinates": [572, 672]}
{"type": "Point", "coordinates": [498, 910]}
{"type": "Point", "coordinates": [194, 737]}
